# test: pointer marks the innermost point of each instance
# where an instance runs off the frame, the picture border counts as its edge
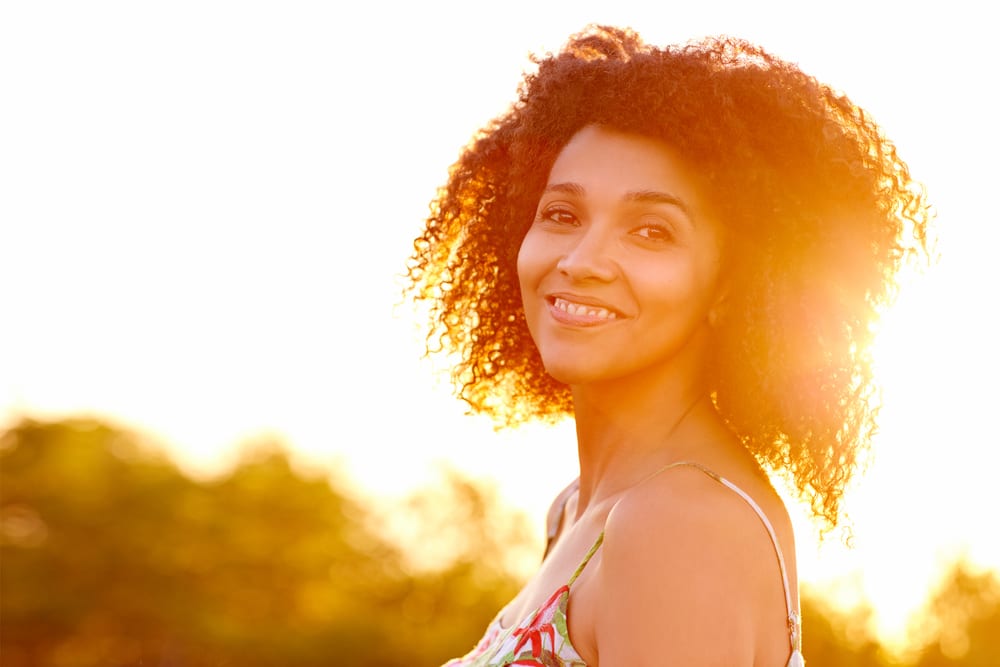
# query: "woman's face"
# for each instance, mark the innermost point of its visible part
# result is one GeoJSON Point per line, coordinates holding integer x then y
{"type": "Point", "coordinates": [620, 267]}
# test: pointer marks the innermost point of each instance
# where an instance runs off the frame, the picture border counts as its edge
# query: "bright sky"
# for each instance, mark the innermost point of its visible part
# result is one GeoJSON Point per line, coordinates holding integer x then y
{"type": "Point", "coordinates": [203, 206]}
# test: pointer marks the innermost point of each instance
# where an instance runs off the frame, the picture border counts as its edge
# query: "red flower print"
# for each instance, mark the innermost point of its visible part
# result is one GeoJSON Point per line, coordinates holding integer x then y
{"type": "Point", "coordinates": [539, 627]}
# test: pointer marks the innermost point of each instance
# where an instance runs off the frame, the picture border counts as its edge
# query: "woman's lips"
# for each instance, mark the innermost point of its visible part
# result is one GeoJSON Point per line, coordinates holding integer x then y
{"type": "Point", "coordinates": [579, 314]}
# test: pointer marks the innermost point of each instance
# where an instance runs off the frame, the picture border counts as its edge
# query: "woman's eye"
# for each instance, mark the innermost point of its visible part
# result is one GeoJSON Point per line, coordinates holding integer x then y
{"type": "Point", "coordinates": [653, 233]}
{"type": "Point", "coordinates": [561, 216]}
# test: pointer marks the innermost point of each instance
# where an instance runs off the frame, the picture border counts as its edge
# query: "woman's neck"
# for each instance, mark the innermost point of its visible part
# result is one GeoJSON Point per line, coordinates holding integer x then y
{"type": "Point", "coordinates": [625, 431]}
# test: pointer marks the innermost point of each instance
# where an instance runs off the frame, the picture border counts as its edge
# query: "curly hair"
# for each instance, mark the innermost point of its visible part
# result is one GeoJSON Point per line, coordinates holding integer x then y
{"type": "Point", "coordinates": [820, 214]}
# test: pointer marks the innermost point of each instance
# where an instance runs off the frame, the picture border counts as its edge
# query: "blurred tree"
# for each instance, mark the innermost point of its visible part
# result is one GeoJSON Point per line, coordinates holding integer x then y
{"type": "Point", "coordinates": [836, 638]}
{"type": "Point", "coordinates": [961, 622]}
{"type": "Point", "coordinates": [112, 557]}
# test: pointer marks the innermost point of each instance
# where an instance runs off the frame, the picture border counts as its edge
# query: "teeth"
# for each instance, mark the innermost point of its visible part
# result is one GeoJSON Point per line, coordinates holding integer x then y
{"type": "Point", "coordinates": [581, 310]}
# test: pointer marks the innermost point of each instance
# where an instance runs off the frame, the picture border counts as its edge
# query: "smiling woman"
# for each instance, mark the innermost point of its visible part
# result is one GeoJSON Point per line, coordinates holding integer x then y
{"type": "Point", "coordinates": [684, 249]}
{"type": "Point", "coordinates": [619, 271]}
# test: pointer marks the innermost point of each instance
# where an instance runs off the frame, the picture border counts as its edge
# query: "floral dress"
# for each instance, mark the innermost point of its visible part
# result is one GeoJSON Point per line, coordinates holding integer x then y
{"type": "Point", "coordinates": [542, 640]}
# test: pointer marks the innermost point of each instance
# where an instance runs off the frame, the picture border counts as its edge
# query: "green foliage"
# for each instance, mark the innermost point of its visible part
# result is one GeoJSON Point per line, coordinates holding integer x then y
{"type": "Point", "coordinates": [959, 626]}
{"type": "Point", "coordinates": [961, 623]}
{"type": "Point", "coordinates": [834, 638]}
{"type": "Point", "coordinates": [111, 557]}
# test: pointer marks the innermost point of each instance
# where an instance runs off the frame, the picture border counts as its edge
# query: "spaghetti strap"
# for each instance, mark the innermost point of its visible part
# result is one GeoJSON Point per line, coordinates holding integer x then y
{"type": "Point", "coordinates": [794, 618]}
{"type": "Point", "coordinates": [586, 559]}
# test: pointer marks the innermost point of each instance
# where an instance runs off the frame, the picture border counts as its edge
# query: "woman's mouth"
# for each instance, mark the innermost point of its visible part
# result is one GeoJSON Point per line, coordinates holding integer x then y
{"type": "Point", "coordinates": [570, 312]}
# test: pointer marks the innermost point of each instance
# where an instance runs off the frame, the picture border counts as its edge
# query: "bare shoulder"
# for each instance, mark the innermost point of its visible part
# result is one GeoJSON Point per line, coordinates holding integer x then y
{"type": "Point", "coordinates": [689, 575]}
{"type": "Point", "coordinates": [557, 510]}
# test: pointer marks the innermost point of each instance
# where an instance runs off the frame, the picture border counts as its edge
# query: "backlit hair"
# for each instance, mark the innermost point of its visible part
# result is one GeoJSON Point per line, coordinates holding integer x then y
{"type": "Point", "coordinates": [819, 213]}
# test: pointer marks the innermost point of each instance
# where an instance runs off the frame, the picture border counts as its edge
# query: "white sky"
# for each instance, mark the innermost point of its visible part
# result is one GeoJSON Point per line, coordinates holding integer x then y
{"type": "Point", "coordinates": [203, 206]}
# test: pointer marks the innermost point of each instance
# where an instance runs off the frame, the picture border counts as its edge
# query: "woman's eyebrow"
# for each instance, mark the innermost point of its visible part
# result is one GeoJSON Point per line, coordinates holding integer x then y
{"type": "Point", "coordinates": [569, 188]}
{"type": "Point", "coordinates": [657, 197]}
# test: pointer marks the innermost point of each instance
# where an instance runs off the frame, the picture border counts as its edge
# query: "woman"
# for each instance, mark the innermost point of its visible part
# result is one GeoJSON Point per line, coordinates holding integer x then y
{"type": "Point", "coordinates": [685, 249]}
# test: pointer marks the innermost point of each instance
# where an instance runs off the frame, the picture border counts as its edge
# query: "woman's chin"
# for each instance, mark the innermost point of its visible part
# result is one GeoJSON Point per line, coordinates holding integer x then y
{"type": "Point", "coordinates": [576, 373]}
{"type": "Point", "coordinates": [569, 374]}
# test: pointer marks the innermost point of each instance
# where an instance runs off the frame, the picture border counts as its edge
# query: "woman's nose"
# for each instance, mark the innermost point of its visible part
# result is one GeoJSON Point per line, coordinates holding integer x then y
{"type": "Point", "coordinates": [588, 258]}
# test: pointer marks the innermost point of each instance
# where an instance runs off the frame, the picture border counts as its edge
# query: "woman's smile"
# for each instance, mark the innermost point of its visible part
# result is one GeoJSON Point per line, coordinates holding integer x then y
{"type": "Point", "coordinates": [620, 267]}
{"type": "Point", "coordinates": [574, 311]}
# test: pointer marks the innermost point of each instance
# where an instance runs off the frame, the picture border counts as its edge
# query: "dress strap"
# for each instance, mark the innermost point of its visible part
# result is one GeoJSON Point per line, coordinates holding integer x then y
{"type": "Point", "coordinates": [586, 559]}
{"type": "Point", "coordinates": [794, 618]}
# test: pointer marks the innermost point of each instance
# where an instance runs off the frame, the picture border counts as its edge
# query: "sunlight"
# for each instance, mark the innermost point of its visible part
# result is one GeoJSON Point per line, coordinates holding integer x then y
{"type": "Point", "coordinates": [903, 509]}
{"type": "Point", "coordinates": [203, 243]}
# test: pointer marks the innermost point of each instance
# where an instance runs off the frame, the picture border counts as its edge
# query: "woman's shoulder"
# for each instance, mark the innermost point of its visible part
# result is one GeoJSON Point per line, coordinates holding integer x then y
{"type": "Point", "coordinates": [696, 557]}
{"type": "Point", "coordinates": [688, 514]}
{"type": "Point", "coordinates": [691, 502]}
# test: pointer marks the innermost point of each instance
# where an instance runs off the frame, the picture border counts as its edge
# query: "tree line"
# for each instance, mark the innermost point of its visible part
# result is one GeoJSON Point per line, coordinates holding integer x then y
{"type": "Point", "coordinates": [110, 556]}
